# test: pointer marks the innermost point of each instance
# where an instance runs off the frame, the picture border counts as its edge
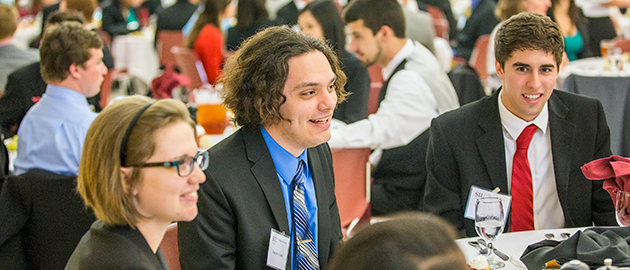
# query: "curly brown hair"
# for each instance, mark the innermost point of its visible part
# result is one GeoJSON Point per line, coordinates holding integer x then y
{"type": "Point", "coordinates": [254, 77]}
{"type": "Point", "coordinates": [528, 31]}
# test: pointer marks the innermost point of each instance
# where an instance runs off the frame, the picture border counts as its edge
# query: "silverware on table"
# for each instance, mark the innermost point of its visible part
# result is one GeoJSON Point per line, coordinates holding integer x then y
{"type": "Point", "coordinates": [482, 250]}
{"type": "Point", "coordinates": [494, 249]}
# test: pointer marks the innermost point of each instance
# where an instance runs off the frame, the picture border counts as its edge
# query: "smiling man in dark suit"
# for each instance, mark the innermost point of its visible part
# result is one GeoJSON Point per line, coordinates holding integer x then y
{"type": "Point", "coordinates": [283, 88]}
{"type": "Point", "coordinates": [483, 144]}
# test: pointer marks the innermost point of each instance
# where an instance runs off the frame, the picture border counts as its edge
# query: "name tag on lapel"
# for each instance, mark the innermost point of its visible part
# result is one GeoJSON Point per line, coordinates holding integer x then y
{"type": "Point", "coordinates": [278, 251]}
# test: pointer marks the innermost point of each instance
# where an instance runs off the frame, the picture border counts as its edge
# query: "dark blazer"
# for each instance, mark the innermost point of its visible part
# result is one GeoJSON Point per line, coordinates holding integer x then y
{"type": "Point", "coordinates": [42, 219]}
{"type": "Point", "coordinates": [113, 22]}
{"type": "Point", "coordinates": [288, 14]}
{"type": "Point", "coordinates": [174, 17]}
{"type": "Point", "coordinates": [115, 247]}
{"type": "Point", "coordinates": [241, 201]}
{"type": "Point", "coordinates": [466, 148]}
{"type": "Point", "coordinates": [481, 22]}
{"type": "Point", "coordinates": [236, 35]}
{"type": "Point", "coordinates": [355, 107]}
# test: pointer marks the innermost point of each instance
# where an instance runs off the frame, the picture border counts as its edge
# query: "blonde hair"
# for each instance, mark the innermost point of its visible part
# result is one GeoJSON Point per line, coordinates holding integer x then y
{"type": "Point", "coordinates": [8, 20]}
{"type": "Point", "coordinates": [100, 182]}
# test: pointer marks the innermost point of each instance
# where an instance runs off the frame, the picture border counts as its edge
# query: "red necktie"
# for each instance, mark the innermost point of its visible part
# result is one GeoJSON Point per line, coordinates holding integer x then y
{"type": "Point", "coordinates": [522, 194]}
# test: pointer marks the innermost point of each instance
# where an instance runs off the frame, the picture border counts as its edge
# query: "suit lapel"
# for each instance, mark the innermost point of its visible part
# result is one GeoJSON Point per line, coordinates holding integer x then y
{"type": "Point", "coordinates": [323, 229]}
{"type": "Point", "coordinates": [562, 134]}
{"type": "Point", "coordinates": [265, 173]}
{"type": "Point", "coordinates": [490, 143]}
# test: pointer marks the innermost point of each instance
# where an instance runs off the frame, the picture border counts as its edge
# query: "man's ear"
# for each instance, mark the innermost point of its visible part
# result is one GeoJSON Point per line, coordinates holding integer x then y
{"type": "Point", "coordinates": [74, 71]}
{"type": "Point", "coordinates": [386, 33]}
{"type": "Point", "coordinates": [499, 69]}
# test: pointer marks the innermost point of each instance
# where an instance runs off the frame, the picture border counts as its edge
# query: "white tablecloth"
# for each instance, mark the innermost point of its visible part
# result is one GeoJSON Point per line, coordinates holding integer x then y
{"type": "Point", "coordinates": [591, 67]}
{"type": "Point", "coordinates": [135, 53]}
{"type": "Point", "coordinates": [512, 244]}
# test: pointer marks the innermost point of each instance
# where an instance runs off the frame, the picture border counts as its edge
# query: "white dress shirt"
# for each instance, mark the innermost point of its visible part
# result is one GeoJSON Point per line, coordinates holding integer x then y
{"type": "Point", "coordinates": [406, 111]}
{"type": "Point", "coordinates": [547, 209]}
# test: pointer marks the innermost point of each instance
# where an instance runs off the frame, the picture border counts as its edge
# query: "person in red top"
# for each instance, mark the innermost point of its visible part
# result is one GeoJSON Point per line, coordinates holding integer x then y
{"type": "Point", "coordinates": [206, 38]}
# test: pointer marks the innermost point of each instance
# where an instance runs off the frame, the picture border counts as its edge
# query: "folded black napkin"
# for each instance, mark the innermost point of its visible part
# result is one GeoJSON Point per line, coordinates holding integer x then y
{"type": "Point", "coordinates": [590, 246]}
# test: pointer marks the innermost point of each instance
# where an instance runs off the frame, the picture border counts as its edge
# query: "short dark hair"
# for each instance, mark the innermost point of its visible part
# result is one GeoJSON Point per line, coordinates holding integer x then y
{"type": "Point", "coordinates": [65, 44]}
{"type": "Point", "coordinates": [377, 13]}
{"type": "Point", "coordinates": [528, 31]}
{"type": "Point", "coordinates": [407, 241]}
{"type": "Point", "coordinates": [64, 16]}
{"type": "Point", "coordinates": [254, 77]}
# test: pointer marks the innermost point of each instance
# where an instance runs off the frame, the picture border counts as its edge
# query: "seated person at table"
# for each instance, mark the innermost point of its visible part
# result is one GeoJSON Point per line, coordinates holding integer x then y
{"type": "Point", "coordinates": [485, 144]}
{"type": "Point", "coordinates": [11, 57]}
{"type": "Point", "coordinates": [288, 14]}
{"type": "Point", "coordinates": [407, 241]}
{"type": "Point", "coordinates": [120, 17]}
{"type": "Point", "coordinates": [26, 86]}
{"type": "Point", "coordinates": [206, 38]}
{"type": "Point", "coordinates": [274, 178]}
{"type": "Point", "coordinates": [574, 28]}
{"type": "Point", "coordinates": [321, 19]}
{"type": "Point", "coordinates": [175, 16]}
{"type": "Point", "coordinates": [415, 91]}
{"type": "Point", "coordinates": [139, 172]}
{"type": "Point", "coordinates": [51, 134]}
{"type": "Point", "coordinates": [251, 17]}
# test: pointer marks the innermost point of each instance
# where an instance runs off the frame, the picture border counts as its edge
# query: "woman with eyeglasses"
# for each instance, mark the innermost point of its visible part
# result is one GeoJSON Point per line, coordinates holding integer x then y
{"type": "Point", "coordinates": [139, 171]}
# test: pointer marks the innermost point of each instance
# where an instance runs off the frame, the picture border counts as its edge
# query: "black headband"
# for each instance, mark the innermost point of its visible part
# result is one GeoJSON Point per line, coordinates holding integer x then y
{"type": "Point", "coordinates": [123, 145]}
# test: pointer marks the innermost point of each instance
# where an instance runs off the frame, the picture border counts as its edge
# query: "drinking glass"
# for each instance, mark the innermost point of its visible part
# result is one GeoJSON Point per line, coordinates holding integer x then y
{"type": "Point", "coordinates": [211, 113]}
{"type": "Point", "coordinates": [489, 220]}
{"type": "Point", "coordinates": [621, 208]}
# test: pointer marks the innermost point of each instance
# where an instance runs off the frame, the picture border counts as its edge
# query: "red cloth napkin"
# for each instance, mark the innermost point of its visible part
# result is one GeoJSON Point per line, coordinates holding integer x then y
{"type": "Point", "coordinates": [614, 170]}
{"type": "Point", "coordinates": [162, 86]}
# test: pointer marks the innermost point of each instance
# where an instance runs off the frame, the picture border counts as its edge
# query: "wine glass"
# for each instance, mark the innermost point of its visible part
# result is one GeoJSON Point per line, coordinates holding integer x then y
{"type": "Point", "coordinates": [621, 208]}
{"type": "Point", "coordinates": [489, 220]}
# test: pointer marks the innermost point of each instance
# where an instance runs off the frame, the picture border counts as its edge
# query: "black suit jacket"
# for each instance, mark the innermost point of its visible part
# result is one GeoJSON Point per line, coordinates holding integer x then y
{"type": "Point", "coordinates": [175, 16]}
{"type": "Point", "coordinates": [241, 201]}
{"type": "Point", "coordinates": [481, 22]}
{"type": "Point", "coordinates": [288, 14]}
{"type": "Point", "coordinates": [466, 148]}
{"type": "Point", "coordinates": [42, 219]}
{"type": "Point", "coordinates": [113, 22]}
{"type": "Point", "coordinates": [115, 247]}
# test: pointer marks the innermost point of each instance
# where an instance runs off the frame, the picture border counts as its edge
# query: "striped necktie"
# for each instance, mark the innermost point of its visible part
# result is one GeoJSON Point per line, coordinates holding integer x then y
{"type": "Point", "coordinates": [306, 252]}
{"type": "Point", "coordinates": [522, 215]}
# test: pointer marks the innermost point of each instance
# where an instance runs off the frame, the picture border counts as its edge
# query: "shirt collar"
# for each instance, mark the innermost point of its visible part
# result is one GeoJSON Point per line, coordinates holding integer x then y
{"type": "Point", "coordinates": [299, 4]}
{"type": "Point", "coordinates": [286, 164]}
{"type": "Point", "coordinates": [514, 125]}
{"type": "Point", "coordinates": [73, 97]}
{"type": "Point", "coordinates": [403, 53]}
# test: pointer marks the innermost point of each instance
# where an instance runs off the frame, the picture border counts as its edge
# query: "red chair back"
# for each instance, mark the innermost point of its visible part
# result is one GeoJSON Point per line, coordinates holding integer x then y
{"type": "Point", "coordinates": [478, 58]}
{"type": "Point", "coordinates": [376, 82]}
{"type": "Point", "coordinates": [351, 182]}
{"type": "Point", "coordinates": [440, 24]}
{"type": "Point", "coordinates": [190, 66]}
{"type": "Point", "coordinates": [623, 44]}
{"type": "Point", "coordinates": [106, 88]}
{"type": "Point", "coordinates": [167, 39]}
{"type": "Point", "coordinates": [169, 247]}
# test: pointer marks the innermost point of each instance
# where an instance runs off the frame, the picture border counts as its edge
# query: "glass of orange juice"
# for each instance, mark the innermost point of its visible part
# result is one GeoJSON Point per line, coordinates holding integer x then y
{"type": "Point", "coordinates": [211, 113]}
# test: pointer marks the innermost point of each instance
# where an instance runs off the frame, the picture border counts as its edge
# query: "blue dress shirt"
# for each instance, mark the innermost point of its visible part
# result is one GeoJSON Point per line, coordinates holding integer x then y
{"type": "Point", "coordinates": [286, 166]}
{"type": "Point", "coordinates": [52, 132]}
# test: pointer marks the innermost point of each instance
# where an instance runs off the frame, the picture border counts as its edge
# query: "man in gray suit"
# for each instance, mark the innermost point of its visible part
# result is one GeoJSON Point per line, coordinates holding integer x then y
{"type": "Point", "coordinates": [482, 144]}
{"type": "Point", "coordinates": [11, 57]}
{"type": "Point", "coordinates": [419, 24]}
{"type": "Point", "coordinates": [283, 88]}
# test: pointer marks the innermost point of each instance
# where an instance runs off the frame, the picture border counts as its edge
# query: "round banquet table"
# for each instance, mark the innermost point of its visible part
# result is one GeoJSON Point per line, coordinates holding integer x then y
{"type": "Point", "coordinates": [513, 245]}
{"type": "Point", "coordinates": [135, 53]}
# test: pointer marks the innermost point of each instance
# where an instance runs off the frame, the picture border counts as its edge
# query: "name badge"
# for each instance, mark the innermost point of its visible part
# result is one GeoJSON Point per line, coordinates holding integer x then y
{"type": "Point", "coordinates": [476, 193]}
{"type": "Point", "coordinates": [278, 250]}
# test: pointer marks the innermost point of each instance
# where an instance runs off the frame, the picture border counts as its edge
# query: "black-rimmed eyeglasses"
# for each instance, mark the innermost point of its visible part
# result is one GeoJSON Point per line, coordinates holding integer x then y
{"type": "Point", "coordinates": [184, 165]}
